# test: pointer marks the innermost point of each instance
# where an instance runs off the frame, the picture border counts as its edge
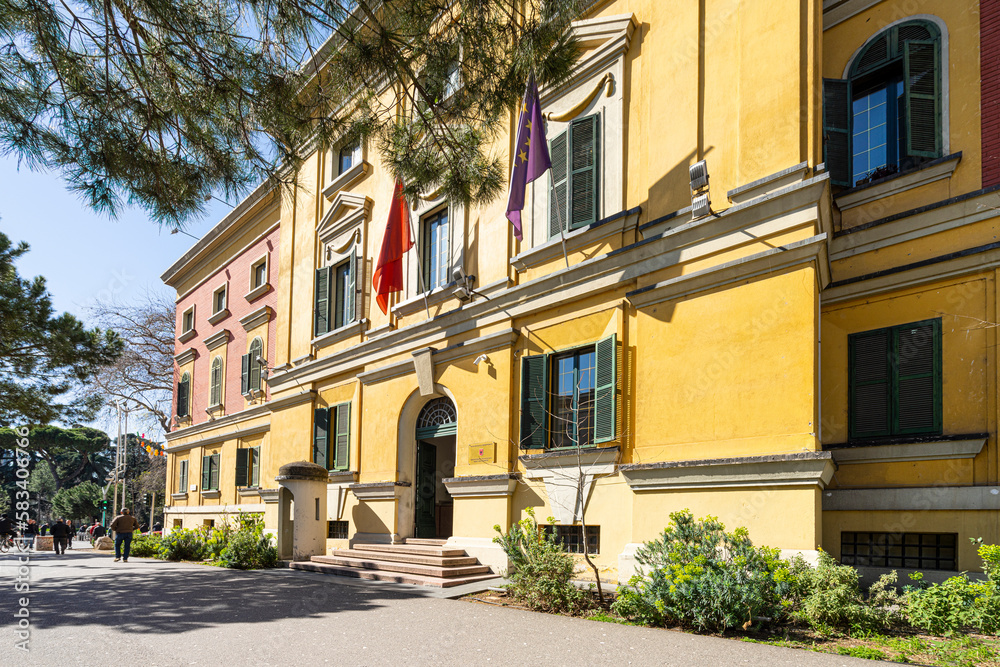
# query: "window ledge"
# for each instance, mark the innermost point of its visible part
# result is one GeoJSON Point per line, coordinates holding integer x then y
{"type": "Point", "coordinates": [570, 456]}
{"type": "Point", "coordinates": [249, 491]}
{"type": "Point", "coordinates": [343, 476]}
{"type": "Point", "coordinates": [187, 335]}
{"type": "Point", "coordinates": [219, 316]}
{"type": "Point", "coordinates": [211, 493]}
{"type": "Point", "coordinates": [575, 240]}
{"type": "Point", "coordinates": [929, 172]}
{"type": "Point", "coordinates": [415, 304]}
{"type": "Point", "coordinates": [347, 179]}
{"type": "Point", "coordinates": [216, 340]}
{"type": "Point", "coordinates": [256, 318]}
{"type": "Point", "coordinates": [178, 496]}
{"type": "Point", "coordinates": [936, 448]}
{"type": "Point", "coordinates": [215, 408]}
{"type": "Point", "coordinates": [344, 332]}
{"type": "Point", "coordinates": [186, 356]}
{"type": "Point", "coordinates": [257, 292]}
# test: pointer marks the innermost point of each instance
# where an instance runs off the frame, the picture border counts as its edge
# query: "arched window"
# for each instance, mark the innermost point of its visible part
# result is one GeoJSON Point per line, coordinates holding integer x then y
{"type": "Point", "coordinates": [437, 418]}
{"type": "Point", "coordinates": [252, 366]}
{"type": "Point", "coordinates": [215, 383]}
{"type": "Point", "coordinates": [886, 117]}
{"type": "Point", "coordinates": [184, 396]}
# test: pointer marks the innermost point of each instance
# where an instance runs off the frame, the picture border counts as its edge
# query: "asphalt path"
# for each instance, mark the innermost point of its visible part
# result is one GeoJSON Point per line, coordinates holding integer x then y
{"type": "Point", "coordinates": [84, 609]}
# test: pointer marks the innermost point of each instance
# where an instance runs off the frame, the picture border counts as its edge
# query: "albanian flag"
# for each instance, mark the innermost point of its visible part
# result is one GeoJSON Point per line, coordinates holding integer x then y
{"type": "Point", "coordinates": [388, 276]}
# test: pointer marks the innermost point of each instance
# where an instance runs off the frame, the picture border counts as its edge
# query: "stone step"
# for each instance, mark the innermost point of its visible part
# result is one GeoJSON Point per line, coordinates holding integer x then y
{"type": "Point", "coordinates": [425, 541]}
{"type": "Point", "coordinates": [440, 561]}
{"type": "Point", "coordinates": [397, 577]}
{"type": "Point", "coordinates": [404, 568]}
{"type": "Point", "coordinates": [417, 549]}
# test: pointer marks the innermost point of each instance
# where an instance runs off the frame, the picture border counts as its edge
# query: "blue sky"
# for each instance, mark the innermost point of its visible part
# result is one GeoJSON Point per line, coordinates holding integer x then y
{"type": "Point", "coordinates": [82, 254]}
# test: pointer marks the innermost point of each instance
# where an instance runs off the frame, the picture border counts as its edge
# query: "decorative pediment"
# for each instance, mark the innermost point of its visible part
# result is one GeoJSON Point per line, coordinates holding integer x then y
{"type": "Point", "coordinates": [347, 211]}
{"type": "Point", "coordinates": [604, 40]}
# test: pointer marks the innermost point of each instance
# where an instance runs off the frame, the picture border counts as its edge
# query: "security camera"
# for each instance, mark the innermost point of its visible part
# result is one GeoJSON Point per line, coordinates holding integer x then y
{"type": "Point", "coordinates": [458, 274]}
{"type": "Point", "coordinates": [261, 360]}
{"type": "Point", "coordinates": [481, 358]}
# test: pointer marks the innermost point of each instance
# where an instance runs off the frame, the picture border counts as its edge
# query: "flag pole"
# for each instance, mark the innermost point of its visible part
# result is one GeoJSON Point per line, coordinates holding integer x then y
{"type": "Point", "coordinates": [562, 236]}
{"type": "Point", "coordinates": [420, 265]}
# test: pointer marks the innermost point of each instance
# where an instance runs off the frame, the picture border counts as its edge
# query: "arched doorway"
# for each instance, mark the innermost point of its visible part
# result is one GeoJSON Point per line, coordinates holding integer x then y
{"type": "Point", "coordinates": [437, 425]}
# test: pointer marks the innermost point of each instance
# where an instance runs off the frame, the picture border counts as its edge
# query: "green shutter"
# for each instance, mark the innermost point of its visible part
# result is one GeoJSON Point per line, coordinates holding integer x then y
{"type": "Point", "coordinates": [342, 441]}
{"type": "Point", "coordinates": [255, 467]}
{"type": "Point", "coordinates": [560, 181]}
{"type": "Point", "coordinates": [605, 399]}
{"type": "Point", "coordinates": [870, 383]}
{"type": "Point", "coordinates": [321, 436]}
{"type": "Point", "coordinates": [534, 403]}
{"type": "Point", "coordinates": [184, 398]}
{"type": "Point", "coordinates": [206, 472]}
{"type": "Point", "coordinates": [245, 375]}
{"type": "Point", "coordinates": [215, 391]}
{"type": "Point", "coordinates": [917, 377]}
{"type": "Point", "coordinates": [357, 281]}
{"type": "Point", "coordinates": [837, 130]}
{"type": "Point", "coordinates": [182, 478]}
{"type": "Point", "coordinates": [214, 481]}
{"type": "Point", "coordinates": [322, 307]}
{"type": "Point", "coordinates": [242, 467]}
{"type": "Point", "coordinates": [583, 157]}
{"type": "Point", "coordinates": [921, 76]}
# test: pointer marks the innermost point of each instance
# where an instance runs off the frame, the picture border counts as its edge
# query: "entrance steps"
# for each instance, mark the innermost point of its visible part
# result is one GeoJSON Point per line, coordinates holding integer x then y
{"type": "Point", "coordinates": [421, 562]}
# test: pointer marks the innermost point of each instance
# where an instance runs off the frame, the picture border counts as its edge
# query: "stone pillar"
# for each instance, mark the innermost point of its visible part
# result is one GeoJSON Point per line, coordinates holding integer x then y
{"type": "Point", "coordinates": [306, 482]}
{"type": "Point", "coordinates": [277, 519]}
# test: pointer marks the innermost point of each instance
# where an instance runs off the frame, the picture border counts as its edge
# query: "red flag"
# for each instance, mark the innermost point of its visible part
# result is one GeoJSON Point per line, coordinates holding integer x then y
{"type": "Point", "coordinates": [388, 276]}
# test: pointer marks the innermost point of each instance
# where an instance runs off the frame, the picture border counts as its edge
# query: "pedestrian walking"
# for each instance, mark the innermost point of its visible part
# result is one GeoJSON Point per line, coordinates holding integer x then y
{"type": "Point", "coordinates": [123, 527]}
{"type": "Point", "coordinates": [97, 531]}
{"type": "Point", "coordinates": [44, 530]}
{"type": "Point", "coordinates": [6, 527]}
{"type": "Point", "coordinates": [30, 532]}
{"type": "Point", "coordinates": [60, 536]}
{"type": "Point", "coordinates": [71, 533]}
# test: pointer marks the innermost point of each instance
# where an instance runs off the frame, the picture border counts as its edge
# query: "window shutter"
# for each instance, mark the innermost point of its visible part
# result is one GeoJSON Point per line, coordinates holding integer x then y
{"type": "Point", "coordinates": [322, 307]}
{"type": "Point", "coordinates": [534, 392]}
{"type": "Point", "coordinates": [918, 377]}
{"type": "Point", "coordinates": [837, 130]}
{"type": "Point", "coordinates": [215, 472]}
{"type": "Point", "coordinates": [557, 191]}
{"type": "Point", "coordinates": [321, 436]}
{"type": "Point", "coordinates": [182, 481]}
{"type": "Point", "coordinates": [256, 350]}
{"type": "Point", "coordinates": [206, 472]}
{"type": "Point", "coordinates": [357, 285]}
{"type": "Point", "coordinates": [216, 383]}
{"type": "Point", "coordinates": [606, 386]}
{"type": "Point", "coordinates": [342, 443]}
{"type": "Point", "coordinates": [242, 467]}
{"type": "Point", "coordinates": [921, 66]}
{"type": "Point", "coordinates": [184, 398]}
{"type": "Point", "coordinates": [583, 157]}
{"type": "Point", "coordinates": [255, 467]}
{"type": "Point", "coordinates": [245, 375]}
{"type": "Point", "coordinates": [870, 377]}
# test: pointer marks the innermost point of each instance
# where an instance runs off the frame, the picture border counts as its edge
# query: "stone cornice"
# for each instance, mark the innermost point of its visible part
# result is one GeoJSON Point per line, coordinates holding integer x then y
{"type": "Point", "coordinates": [249, 413]}
{"type": "Point", "coordinates": [221, 437]}
{"type": "Point", "coordinates": [256, 318]}
{"type": "Point", "coordinates": [794, 469]}
{"type": "Point", "coordinates": [217, 339]}
{"type": "Point", "coordinates": [186, 356]}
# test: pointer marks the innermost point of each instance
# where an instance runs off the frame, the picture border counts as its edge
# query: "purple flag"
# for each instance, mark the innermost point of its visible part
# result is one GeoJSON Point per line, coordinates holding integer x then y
{"type": "Point", "coordinates": [531, 154]}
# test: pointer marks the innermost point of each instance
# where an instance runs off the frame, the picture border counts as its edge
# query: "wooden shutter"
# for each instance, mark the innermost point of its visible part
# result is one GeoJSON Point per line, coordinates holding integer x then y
{"type": "Point", "coordinates": [322, 307]}
{"type": "Point", "coordinates": [214, 481]}
{"type": "Point", "coordinates": [583, 156]}
{"type": "Point", "coordinates": [242, 467]}
{"type": "Point", "coordinates": [342, 442]}
{"type": "Point", "coordinates": [918, 377]}
{"type": "Point", "coordinates": [534, 403]}
{"type": "Point", "coordinates": [256, 350]}
{"type": "Point", "coordinates": [560, 180]}
{"type": "Point", "coordinates": [606, 386]}
{"type": "Point", "coordinates": [182, 481]}
{"type": "Point", "coordinates": [358, 283]}
{"type": "Point", "coordinates": [321, 436]}
{"type": "Point", "coordinates": [837, 130]}
{"type": "Point", "coordinates": [870, 380]}
{"type": "Point", "coordinates": [245, 375]}
{"type": "Point", "coordinates": [921, 66]}
{"type": "Point", "coordinates": [215, 391]}
{"type": "Point", "coordinates": [255, 466]}
{"type": "Point", "coordinates": [206, 472]}
{"type": "Point", "coordinates": [184, 398]}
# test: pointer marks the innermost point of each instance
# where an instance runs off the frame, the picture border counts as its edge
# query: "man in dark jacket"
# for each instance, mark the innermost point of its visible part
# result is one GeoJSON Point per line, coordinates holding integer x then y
{"type": "Point", "coordinates": [60, 536]}
{"type": "Point", "coordinates": [6, 527]}
{"type": "Point", "coordinates": [123, 526]}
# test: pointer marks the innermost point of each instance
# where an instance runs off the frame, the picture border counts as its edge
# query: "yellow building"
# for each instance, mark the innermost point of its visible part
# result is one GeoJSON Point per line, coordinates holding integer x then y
{"type": "Point", "coordinates": [811, 355]}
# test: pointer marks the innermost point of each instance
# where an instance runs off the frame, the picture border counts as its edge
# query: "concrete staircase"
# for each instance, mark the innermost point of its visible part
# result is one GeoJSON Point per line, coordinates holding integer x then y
{"type": "Point", "coordinates": [416, 561]}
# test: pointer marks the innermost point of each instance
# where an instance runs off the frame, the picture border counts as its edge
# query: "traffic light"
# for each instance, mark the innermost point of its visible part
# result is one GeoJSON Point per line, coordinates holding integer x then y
{"type": "Point", "coordinates": [104, 505]}
{"type": "Point", "coordinates": [147, 498]}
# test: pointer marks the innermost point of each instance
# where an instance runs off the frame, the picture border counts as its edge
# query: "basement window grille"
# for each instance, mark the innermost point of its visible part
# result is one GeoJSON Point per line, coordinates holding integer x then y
{"type": "Point", "coordinates": [337, 530]}
{"type": "Point", "coordinates": [924, 551]}
{"type": "Point", "coordinates": [572, 538]}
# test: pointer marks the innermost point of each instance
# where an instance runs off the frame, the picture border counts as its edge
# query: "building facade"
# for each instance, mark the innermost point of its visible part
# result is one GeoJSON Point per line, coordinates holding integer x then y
{"type": "Point", "coordinates": [811, 355]}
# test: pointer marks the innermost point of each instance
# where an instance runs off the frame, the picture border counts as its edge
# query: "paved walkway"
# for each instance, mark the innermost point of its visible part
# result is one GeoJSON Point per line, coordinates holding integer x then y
{"type": "Point", "coordinates": [87, 610]}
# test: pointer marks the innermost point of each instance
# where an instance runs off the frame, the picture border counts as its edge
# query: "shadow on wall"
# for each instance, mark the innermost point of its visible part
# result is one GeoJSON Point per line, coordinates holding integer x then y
{"type": "Point", "coordinates": [367, 521]}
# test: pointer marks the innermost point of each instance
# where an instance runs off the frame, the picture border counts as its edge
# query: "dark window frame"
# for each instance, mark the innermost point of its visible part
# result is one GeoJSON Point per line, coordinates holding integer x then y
{"type": "Point", "coordinates": [918, 551]}
{"type": "Point", "coordinates": [571, 537]}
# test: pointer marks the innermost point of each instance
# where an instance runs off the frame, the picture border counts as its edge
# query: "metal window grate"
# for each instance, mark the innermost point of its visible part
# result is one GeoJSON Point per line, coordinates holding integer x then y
{"type": "Point", "coordinates": [572, 538]}
{"type": "Point", "coordinates": [925, 551]}
{"type": "Point", "coordinates": [337, 530]}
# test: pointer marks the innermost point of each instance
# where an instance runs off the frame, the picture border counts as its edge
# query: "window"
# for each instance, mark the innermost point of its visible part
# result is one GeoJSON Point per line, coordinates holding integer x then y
{"type": "Point", "coordinates": [452, 79]}
{"type": "Point", "coordinates": [573, 195]}
{"type": "Point", "coordinates": [337, 530]}
{"type": "Point", "coordinates": [248, 466]}
{"type": "Point", "coordinates": [219, 300]}
{"type": "Point", "coordinates": [182, 477]}
{"type": "Point", "coordinates": [434, 238]}
{"type": "Point", "coordinates": [187, 320]}
{"type": "Point", "coordinates": [569, 399]}
{"type": "Point", "coordinates": [251, 366]}
{"type": "Point", "coordinates": [210, 472]}
{"type": "Point", "coordinates": [571, 537]}
{"type": "Point", "coordinates": [347, 157]}
{"type": "Point", "coordinates": [333, 453]}
{"type": "Point", "coordinates": [886, 116]}
{"type": "Point", "coordinates": [336, 297]}
{"type": "Point", "coordinates": [258, 273]}
{"type": "Point", "coordinates": [895, 380]}
{"type": "Point", "coordinates": [184, 396]}
{"type": "Point", "coordinates": [215, 383]}
{"type": "Point", "coordinates": [924, 551]}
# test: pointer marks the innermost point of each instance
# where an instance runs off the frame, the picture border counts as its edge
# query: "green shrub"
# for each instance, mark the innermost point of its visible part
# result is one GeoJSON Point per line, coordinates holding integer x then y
{"type": "Point", "coordinates": [863, 652]}
{"type": "Point", "coordinates": [249, 548]}
{"type": "Point", "coordinates": [183, 544]}
{"type": "Point", "coordinates": [697, 574]}
{"type": "Point", "coordinates": [948, 608]}
{"type": "Point", "coordinates": [828, 597]}
{"type": "Point", "coordinates": [146, 546]}
{"type": "Point", "coordinates": [541, 571]}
